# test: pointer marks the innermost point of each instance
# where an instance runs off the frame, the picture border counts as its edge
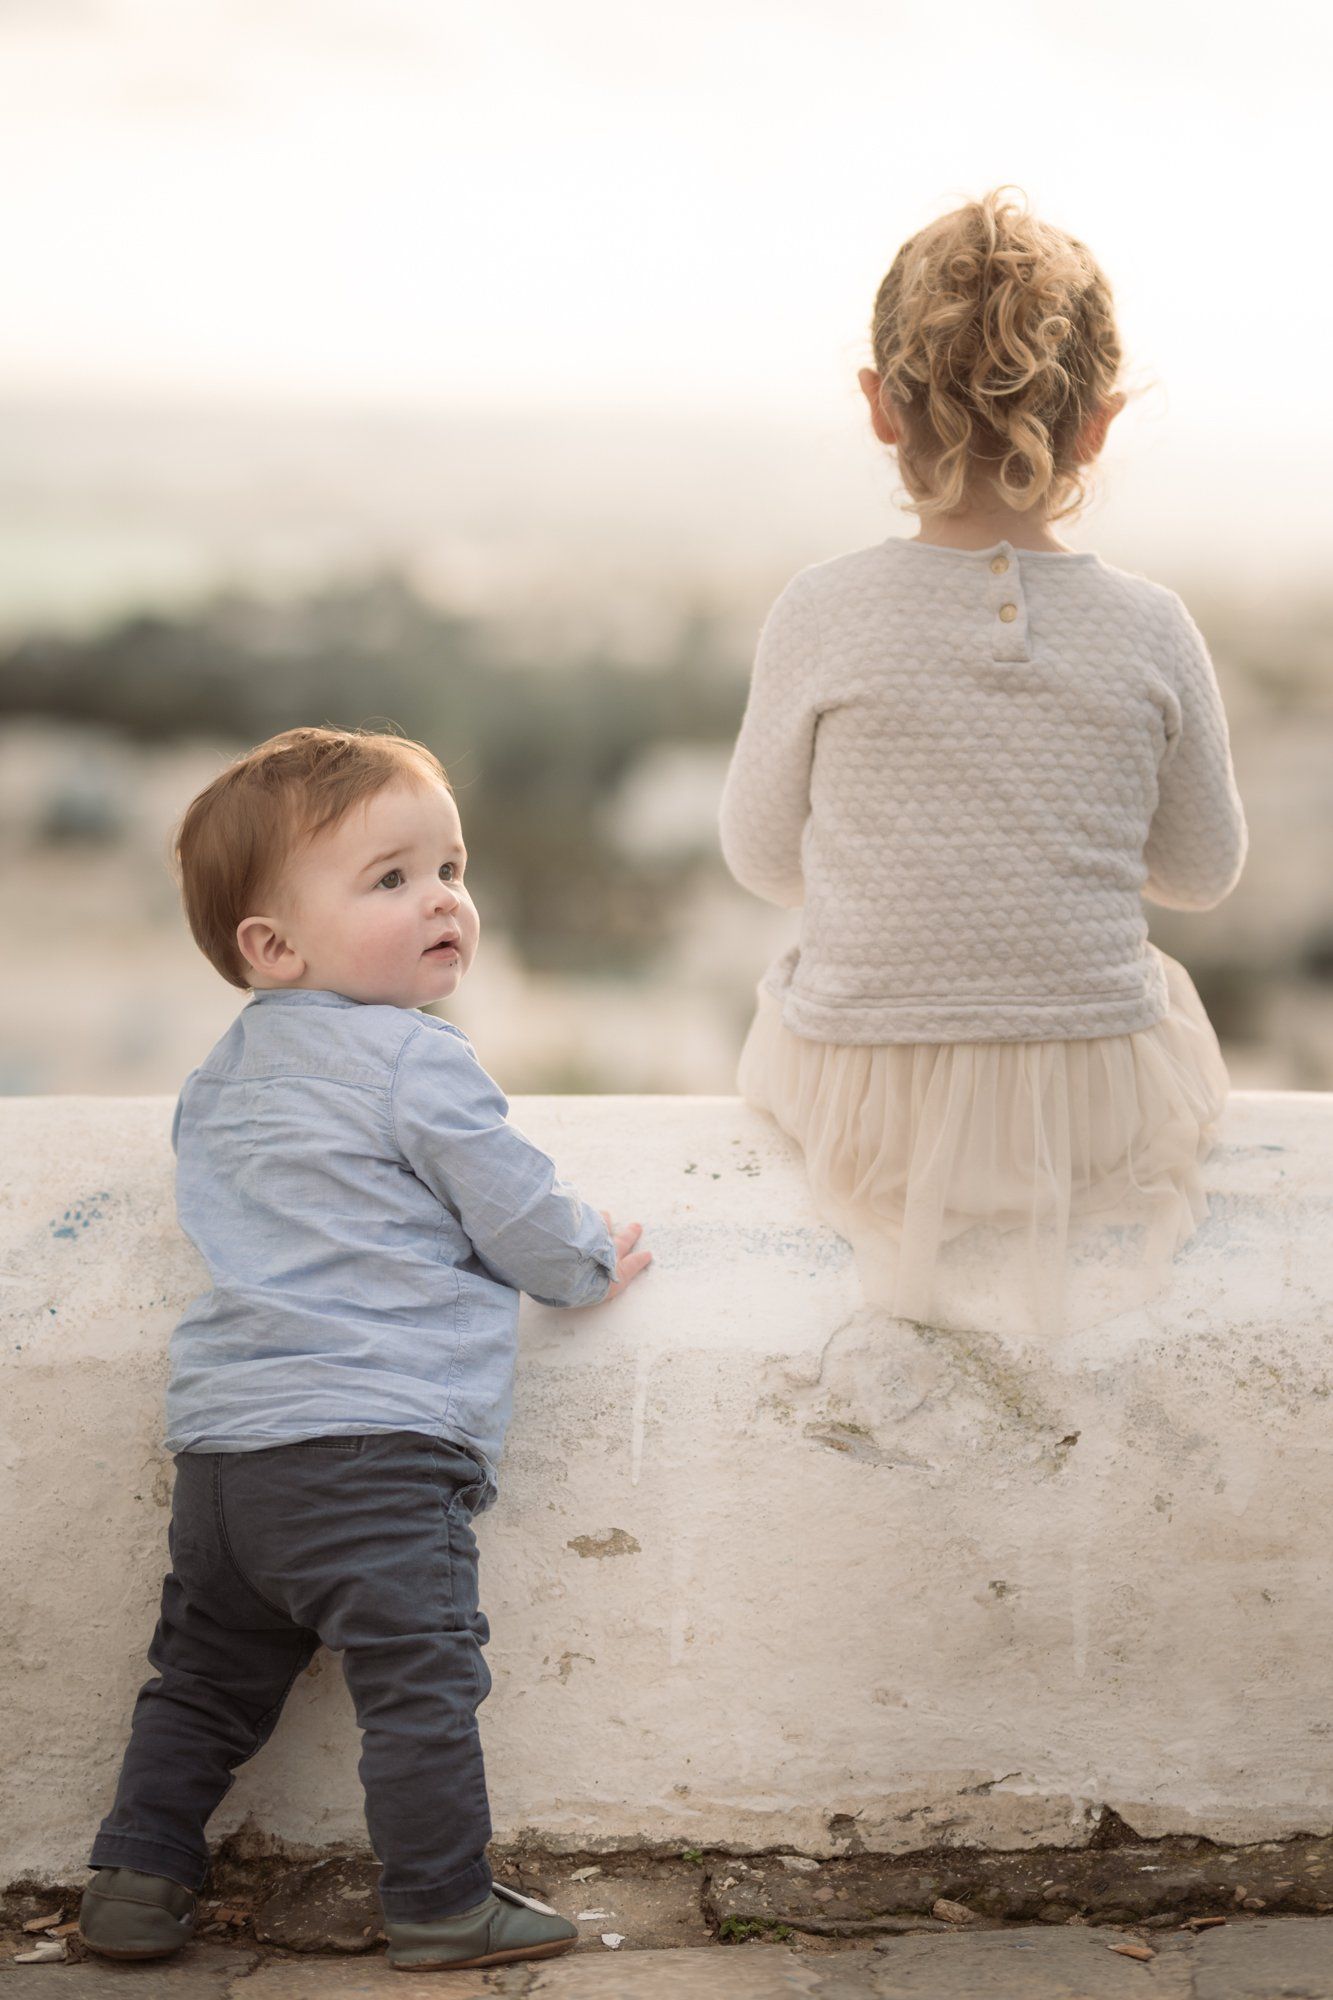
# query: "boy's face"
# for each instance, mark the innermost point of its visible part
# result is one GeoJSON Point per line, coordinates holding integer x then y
{"type": "Point", "coordinates": [360, 909]}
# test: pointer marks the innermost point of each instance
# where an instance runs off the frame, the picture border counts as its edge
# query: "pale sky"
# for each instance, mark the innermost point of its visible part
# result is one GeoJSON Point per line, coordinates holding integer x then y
{"type": "Point", "coordinates": [575, 203]}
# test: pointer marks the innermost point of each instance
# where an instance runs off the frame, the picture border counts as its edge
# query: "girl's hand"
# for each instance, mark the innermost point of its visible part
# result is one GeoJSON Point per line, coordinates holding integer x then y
{"type": "Point", "coordinates": [627, 1267]}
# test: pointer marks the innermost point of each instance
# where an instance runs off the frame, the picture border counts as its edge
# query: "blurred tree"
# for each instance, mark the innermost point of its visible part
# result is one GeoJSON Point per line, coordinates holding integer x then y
{"type": "Point", "coordinates": [533, 751]}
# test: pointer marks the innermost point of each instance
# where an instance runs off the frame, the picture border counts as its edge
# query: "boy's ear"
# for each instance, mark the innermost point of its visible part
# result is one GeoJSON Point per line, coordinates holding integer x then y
{"type": "Point", "coordinates": [265, 950]}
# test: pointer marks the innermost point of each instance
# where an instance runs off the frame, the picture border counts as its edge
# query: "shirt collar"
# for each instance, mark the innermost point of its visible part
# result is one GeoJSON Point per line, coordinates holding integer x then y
{"type": "Point", "coordinates": [300, 996]}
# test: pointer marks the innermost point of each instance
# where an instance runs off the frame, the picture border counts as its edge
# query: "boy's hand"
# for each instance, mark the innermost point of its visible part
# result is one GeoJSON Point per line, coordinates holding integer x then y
{"type": "Point", "coordinates": [628, 1266]}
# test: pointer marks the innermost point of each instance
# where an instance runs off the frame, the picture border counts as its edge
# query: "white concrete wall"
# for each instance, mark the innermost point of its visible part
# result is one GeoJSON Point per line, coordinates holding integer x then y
{"type": "Point", "coordinates": [764, 1570]}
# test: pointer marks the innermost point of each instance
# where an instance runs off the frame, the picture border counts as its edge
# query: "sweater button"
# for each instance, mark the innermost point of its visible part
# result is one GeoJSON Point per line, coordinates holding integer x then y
{"type": "Point", "coordinates": [1008, 612]}
{"type": "Point", "coordinates": [999, 564]}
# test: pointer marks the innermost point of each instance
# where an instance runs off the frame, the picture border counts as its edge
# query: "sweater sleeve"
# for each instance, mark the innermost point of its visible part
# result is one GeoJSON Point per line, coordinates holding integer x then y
{"type": "Point", "coordinates": [766, 797]}
{"type": "Point", "coordinates": [1198, 838]}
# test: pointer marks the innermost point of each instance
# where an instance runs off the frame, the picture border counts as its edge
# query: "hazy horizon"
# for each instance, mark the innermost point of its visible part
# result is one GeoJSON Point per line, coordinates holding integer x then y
{"type": "Point", "coordinates": [130, 504]}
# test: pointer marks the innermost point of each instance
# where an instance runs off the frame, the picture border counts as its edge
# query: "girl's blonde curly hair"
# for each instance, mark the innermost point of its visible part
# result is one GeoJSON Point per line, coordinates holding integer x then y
{"type": "Point", "coordinates": [994, 334]}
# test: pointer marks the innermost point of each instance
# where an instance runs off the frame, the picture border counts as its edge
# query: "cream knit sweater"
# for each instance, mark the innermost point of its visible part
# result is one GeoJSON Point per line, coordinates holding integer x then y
{"type": "Point", "coordinates": [966, 767]}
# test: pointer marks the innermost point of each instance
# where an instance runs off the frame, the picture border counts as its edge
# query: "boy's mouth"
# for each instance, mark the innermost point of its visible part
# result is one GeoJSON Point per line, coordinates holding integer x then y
{"type": "Point", "coordinates": [442, 947]}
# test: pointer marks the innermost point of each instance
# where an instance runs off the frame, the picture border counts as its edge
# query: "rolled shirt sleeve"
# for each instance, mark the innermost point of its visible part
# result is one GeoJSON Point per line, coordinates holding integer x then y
{"type": "Point", "coordinates": [528, 1227]}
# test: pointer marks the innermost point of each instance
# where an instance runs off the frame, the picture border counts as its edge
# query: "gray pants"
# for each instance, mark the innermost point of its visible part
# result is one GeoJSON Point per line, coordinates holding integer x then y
{"type": "Point", "coordinates": [363, 1543]}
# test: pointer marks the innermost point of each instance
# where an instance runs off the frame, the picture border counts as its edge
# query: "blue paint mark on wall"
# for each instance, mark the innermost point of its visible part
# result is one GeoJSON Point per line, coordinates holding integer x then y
{"type": "Point", "coordinates": [82, 1215]}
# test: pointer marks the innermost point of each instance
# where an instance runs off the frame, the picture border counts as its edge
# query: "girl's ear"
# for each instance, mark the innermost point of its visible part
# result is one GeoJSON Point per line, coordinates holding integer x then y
{"type": "Point", "coordinates": [885, 428]}
{"type": "Point", "coordinates": [1093, 435]}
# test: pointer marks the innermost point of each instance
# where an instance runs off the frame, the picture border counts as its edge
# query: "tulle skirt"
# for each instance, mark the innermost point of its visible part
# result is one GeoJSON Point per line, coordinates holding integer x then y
{"type": "Point", "coordinates": [1024, 1188]}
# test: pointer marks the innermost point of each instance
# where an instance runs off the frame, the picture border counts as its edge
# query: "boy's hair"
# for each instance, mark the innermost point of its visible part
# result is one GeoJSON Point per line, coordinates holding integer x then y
{"type": "Point", "coordinates": [239, 834]}
{"type": "Point", "coordinates": [995, 335]}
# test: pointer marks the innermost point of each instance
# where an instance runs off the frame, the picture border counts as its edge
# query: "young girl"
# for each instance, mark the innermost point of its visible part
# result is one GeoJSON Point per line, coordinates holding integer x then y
{"type": "Point", "coordinates": [965, 756]}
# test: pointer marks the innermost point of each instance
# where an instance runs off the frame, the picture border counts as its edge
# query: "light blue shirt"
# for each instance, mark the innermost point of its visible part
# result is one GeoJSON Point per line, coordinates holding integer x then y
{"type": "Point", "coordinates": [368, 1217]}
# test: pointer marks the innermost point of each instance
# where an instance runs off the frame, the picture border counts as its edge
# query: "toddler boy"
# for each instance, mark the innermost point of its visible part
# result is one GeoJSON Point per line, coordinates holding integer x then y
{"type": "Point", "coordinates": [338, 1400]}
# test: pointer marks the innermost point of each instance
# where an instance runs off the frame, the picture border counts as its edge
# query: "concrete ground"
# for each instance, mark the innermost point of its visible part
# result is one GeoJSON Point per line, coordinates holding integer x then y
{"type": "Point", "coordinates": [1249, 1958]}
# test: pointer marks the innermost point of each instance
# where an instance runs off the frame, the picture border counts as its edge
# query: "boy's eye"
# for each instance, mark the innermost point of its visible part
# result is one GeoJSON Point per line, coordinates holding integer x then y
{"type": "Point", "coordinates": [448, 871]}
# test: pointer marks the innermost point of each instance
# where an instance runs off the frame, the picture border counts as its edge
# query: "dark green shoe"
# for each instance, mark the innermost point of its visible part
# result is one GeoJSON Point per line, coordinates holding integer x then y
{"type": "Point", "coordinates": [506, 1926]}
{"type": "Point", "coordinates": [128, 1915]}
